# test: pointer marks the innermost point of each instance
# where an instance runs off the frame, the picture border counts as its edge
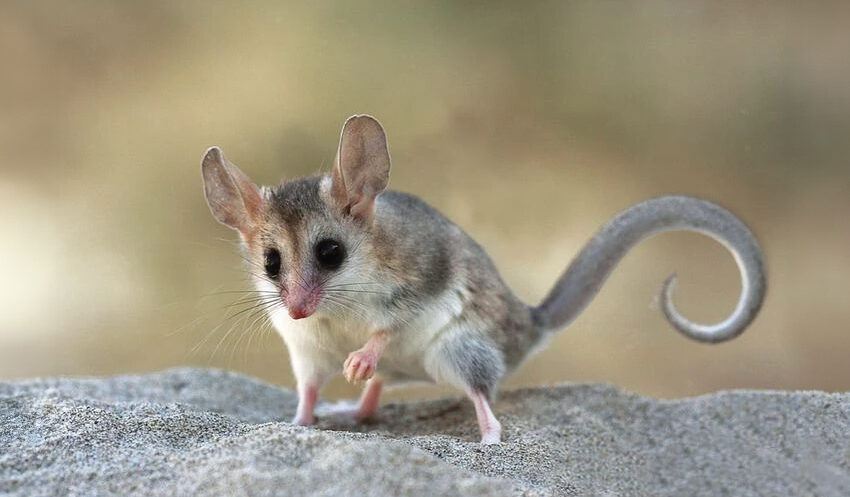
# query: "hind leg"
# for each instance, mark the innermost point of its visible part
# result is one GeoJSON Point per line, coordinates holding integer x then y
{"type": "Point", "coordinates": [472, 363]}
{"type": "Point", "coordinates": [491, 429]}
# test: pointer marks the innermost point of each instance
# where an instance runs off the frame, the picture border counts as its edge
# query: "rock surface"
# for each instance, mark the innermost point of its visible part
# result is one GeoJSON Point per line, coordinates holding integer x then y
{"type": "Point", "coordinates": [208, 432]}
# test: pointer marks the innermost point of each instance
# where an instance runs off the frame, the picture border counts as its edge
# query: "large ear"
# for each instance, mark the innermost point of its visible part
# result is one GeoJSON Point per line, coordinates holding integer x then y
{"type": "Point", "coordinates": [362, 167]}
{"type": "Point", "coordinates": [233, 198]}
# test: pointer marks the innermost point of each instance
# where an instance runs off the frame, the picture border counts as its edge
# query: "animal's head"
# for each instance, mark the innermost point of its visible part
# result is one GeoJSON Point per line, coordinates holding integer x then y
{"type": "Point", "coordinates": [307, 239]}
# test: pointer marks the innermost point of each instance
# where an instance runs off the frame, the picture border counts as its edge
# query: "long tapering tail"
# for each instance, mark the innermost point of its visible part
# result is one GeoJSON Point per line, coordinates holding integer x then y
{"type": "Point", "coordinates": [589, 270]}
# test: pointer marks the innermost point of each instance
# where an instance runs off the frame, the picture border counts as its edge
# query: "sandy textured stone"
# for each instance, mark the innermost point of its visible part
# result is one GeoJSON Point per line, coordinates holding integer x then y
{"type": "Point", "coordinates": [207, 432]}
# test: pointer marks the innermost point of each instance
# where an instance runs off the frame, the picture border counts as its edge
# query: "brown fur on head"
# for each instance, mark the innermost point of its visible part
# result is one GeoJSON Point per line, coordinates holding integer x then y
{"type": "Point", "coordinates": [291, 226]}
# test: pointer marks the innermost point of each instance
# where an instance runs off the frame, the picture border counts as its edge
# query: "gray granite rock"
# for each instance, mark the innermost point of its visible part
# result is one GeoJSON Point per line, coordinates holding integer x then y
{"type": "Point", "coordinates": [212, 433]}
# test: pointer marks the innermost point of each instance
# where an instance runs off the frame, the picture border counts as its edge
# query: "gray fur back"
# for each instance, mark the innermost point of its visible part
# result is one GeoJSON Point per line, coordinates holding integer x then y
{"type": "Point", "coordinates": [438, 256]}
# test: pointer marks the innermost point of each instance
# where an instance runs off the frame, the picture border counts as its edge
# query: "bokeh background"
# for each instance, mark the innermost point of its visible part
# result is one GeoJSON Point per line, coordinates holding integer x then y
{"type": "Point", "coordinates": [528, 124]}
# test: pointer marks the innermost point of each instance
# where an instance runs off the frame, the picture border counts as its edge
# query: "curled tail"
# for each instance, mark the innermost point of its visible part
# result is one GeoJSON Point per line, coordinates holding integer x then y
{"type": "Point", "coordinates": [589, 270]}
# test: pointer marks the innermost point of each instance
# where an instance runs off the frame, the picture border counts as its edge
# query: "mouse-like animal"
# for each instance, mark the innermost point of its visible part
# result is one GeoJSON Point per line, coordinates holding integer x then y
{"type": "Point", "coordinates": [381, 287]}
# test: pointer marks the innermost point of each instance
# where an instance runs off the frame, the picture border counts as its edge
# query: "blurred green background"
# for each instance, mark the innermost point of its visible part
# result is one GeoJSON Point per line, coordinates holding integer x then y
{"type": "Point", "coordinates": [528, 124]}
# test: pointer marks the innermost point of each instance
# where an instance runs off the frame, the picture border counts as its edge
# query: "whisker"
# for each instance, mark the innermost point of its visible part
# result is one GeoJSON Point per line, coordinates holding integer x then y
{"type": "Point", "coordinates": [356, 284]}
{"type": "Point", "coordinates": [236, 292]}
{"type": "Point", "coordinates": [225, 321]}
{"type": "Point", "coordinates": [246, 330]}
{"type": "Point", "coordinates": [257, 308]}
{"type": "Point", "coordinates": [352, 305]}
{"type": "Point", "coordinates": [263, 319]}
{"type": "Point", "coordinates": [342, 290]}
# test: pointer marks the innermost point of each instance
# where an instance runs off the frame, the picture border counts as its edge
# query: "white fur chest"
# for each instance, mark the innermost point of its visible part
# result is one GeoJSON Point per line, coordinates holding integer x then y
{"type": "Point", "coordinates": [321, 343]}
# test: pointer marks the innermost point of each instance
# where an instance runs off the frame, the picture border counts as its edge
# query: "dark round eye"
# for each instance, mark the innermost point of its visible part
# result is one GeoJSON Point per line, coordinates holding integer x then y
{"type": "Point", "coordinates": [272, 262]}
{"type": "Point", "coordinates": [330, 254]}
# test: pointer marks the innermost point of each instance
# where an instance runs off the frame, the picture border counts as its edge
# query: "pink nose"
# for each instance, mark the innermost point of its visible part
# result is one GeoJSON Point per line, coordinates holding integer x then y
{"type": "Point", "coordinates": [301, 302]}
{"type": "Point", "coordinates": [299, 312]}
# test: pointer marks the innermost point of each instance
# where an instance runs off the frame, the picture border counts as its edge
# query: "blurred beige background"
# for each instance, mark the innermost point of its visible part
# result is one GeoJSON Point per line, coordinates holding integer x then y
{"type": "Point", "coordinates": [528, 125]}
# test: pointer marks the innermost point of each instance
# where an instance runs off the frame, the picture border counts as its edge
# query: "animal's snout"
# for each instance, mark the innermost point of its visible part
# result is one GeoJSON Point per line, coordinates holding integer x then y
{"type": "Point", "coordinates": [302, 302]}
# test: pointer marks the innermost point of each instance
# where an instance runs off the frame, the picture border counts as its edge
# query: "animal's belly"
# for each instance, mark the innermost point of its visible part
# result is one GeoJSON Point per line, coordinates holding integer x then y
{"type": "Point", "coordinates": [329, 343]}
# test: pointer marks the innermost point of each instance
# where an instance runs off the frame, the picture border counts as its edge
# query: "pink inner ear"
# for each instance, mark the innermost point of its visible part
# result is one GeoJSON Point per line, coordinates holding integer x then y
{"type": "Point", "coordinates": [362, 207]}
{"type": "Point", "coordinates": [252, 198]}
{"type": "Point", "coordinates": [361, 168]}
{"type": "Point", "coordinates": [234, 199]}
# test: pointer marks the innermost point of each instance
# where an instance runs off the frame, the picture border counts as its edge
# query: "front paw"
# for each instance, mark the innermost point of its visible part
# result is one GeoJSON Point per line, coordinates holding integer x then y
{"type": "Point", "coordinates": [359, 366]}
